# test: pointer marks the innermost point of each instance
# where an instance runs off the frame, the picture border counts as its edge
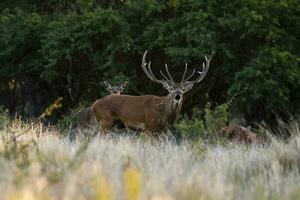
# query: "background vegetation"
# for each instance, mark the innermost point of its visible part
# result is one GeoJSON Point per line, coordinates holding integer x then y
{"type": "Point", "coordinates": [64, 48]}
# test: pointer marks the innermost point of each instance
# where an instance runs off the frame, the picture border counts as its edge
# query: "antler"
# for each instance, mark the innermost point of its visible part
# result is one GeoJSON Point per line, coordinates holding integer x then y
{"type": "Point", "coordinates": [203, 73]}
{"type": "Point", "coordinates": [147, 69]}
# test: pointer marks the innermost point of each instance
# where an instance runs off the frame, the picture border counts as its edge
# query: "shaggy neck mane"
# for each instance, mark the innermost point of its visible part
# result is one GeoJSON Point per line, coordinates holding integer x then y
{"type": "Point", "coordinates": [169, 114]}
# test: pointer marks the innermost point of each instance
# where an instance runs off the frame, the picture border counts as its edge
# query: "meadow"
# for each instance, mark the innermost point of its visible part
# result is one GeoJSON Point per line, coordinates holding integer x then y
{"type": "Point", "coordinates": [38, 162]}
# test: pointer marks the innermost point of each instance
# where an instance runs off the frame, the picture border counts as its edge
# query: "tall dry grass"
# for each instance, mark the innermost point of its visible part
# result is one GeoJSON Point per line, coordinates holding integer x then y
{"type": "Point", "coordinates": [39, 163]}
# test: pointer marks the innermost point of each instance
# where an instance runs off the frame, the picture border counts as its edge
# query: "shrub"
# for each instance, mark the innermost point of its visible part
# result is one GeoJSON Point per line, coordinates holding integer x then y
{"type": "Point", "coordinates": [216, 118]}
{"type": "Point", "coordinates": [205, 124]}
{"type": "Point", "coordinates": [68, 121]}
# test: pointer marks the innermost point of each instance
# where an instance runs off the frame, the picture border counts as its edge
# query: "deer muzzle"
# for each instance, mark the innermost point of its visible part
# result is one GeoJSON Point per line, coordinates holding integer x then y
{"type": "Point", "coordinates": [177, 101]}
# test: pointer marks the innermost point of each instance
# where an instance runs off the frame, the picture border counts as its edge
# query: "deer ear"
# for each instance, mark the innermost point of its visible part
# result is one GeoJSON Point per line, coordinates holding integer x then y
{"type": "Point", "coordinates": [107, 86]}
{"type": "Point", "coordinates": [105, 83]}
{"type": "Point", "coordinates": [124, 84]}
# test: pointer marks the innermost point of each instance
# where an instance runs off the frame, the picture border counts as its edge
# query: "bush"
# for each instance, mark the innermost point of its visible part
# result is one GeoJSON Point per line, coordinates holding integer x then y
{"type": "Point", "coordinates": [216, 118]}
{"type": "Point", "coordinates": [68, 121]}
{"type": "Point", "coordinates": [267, 84]}
{"type": "Point", "coordinates": [204, 127]}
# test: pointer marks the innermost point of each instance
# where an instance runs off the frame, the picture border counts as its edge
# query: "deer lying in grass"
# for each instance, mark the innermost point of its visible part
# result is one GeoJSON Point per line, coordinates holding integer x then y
{"type": "Point", "coordinates": [239, 134]}
{"type": "Point", "coordinates": [85, 118]}
{"type": "Point", "coordinates": [147, 112]}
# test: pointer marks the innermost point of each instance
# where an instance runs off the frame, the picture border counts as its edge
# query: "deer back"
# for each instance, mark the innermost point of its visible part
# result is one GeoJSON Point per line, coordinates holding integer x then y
{"type": "Point", "coordinates": [146, 112]}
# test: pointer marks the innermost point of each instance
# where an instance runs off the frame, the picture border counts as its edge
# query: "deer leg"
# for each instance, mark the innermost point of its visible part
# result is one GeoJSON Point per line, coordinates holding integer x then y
{"type": "Point", "coordinates": [126, 126]}
{"type": "Point", "coordinates": [105, 126]}
{"type": "Point", "coordinates": [104, 120]}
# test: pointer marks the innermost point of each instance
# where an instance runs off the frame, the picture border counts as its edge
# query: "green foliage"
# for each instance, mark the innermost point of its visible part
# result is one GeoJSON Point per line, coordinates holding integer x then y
{"type": "Point", "coordinates": [20, 43]}
{"type": "Point", "coordinates": [216, 118]}
{"type": "Point", "coordinates": [191, 128]}
{"type": "Point", "coordinates": [65, 41]}
{"type": "Point", "coordinates": [269, 82]}
{"type": "Point", "coordinates": [68, 121]}
{"type": "Point", "coordinates": [204, 127]}
{"type": "Point", "coordinates": [66, 48]}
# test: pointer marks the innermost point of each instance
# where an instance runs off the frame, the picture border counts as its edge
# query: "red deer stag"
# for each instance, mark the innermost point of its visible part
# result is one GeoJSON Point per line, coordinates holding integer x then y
{"type": "Point", "coordinates": [147, 112]}
{"type": "Point", "coordinates": [85, 118]}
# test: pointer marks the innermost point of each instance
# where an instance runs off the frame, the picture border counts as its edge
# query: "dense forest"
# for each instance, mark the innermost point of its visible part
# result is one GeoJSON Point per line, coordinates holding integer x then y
{"type": "Point", "coordinates": [63, 48]}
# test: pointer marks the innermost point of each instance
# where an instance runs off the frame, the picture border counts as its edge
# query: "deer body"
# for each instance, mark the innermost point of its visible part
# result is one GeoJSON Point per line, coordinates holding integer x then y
{"type": "Point", "coordinates": [85, 118]}
{"type": "Point", "coordinates": [146, 112]}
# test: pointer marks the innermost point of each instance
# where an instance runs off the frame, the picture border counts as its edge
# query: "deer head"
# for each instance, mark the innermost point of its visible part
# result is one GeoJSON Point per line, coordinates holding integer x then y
{"type": "Point", "coordinates": [176, 90]}
{"type": "Point", "coordinates": [115, 89]}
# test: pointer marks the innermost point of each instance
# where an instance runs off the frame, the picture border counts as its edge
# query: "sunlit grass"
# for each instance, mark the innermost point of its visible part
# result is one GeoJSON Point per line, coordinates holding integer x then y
{"type": "Point", "coordinates": [42, 164]}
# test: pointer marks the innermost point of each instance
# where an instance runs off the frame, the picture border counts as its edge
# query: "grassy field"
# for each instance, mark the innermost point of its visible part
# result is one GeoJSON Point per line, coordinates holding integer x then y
{"type": "Point", "coordinates": [39, 163]}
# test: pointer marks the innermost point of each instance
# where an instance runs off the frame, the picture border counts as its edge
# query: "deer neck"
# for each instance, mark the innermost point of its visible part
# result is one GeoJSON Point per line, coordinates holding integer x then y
{"type": "Point", "coordinates": [170, 112]}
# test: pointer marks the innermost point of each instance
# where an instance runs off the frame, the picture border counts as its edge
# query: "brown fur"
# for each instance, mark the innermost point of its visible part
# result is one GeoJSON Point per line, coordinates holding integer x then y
{"type": "Point", "coordinates": [239, 134]}
{"type": "Point", "coordinates": [85, 118]}
{"type": "Point", "coordinates": [147, 112]}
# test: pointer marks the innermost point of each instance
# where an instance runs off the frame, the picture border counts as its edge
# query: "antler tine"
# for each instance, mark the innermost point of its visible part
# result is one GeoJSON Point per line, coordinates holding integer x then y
{"type": "Point", "coordinates": [205, 68]}
{"type": "Point", "coordinates": [171, 79]}
{"type": "Point", "coordinates": [204, 71]}
{"type": "Point", "coordinates": [148, 70]}
{"type": "Point", "coordinates": [163, 75]}
{"type": "Point", "coordinates": [144, 65]}
{"type": "Point", "coordinates": [192, 74]}
{"type": "Point", "coordinates": [185, 69]}
{"type": "Point", "coordinates": [152, 75]}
